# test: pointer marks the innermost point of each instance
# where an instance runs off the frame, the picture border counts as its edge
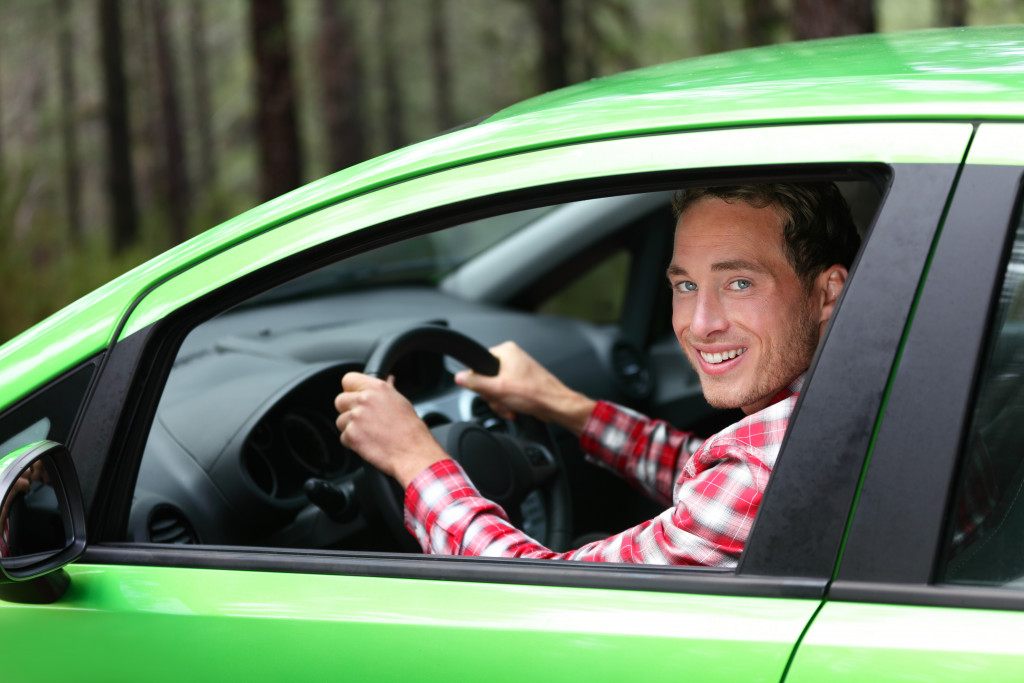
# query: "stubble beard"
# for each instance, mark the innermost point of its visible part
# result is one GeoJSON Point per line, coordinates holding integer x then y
{"type": "Point", "coordinates": [778, 366]}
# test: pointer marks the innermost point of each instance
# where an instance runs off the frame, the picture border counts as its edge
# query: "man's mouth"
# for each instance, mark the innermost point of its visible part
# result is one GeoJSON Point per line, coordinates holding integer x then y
{"type": "Point", "coordinates": [721, 356]}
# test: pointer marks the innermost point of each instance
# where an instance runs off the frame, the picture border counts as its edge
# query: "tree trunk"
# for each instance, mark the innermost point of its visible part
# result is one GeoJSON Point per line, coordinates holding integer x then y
{"type": "Point", "coordinates": [175, 170]}
{"type": "Point", "coordinates": [393, 105]}
{"type": "Point", "coordinates": [953, 12]}
{"type": "Point", "coordinates": [120, 180]}
{"type": "Point", "coordinates": [713, 29]}
{"type": "Point", "coordinates": [554, 66]}
{"type": "Point", "coordinates": [441, 63]}
{"type": "Point", "coordinates": [760, 19]}
{"type": "Point", "coordinates": [198, 63]}
{"type": "Point", "coordinates": [824, 18]}
{"type": "Point", "coordinates": [341, 75]}
{"type": "Point", "coordinates": [69, 120]}
{"type": "Point", "coordinates": [276, 118]}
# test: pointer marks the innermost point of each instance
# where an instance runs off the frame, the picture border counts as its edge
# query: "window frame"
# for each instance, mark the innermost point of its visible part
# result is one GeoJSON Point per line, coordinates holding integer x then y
{"type": "Point", "coordinates": [133, 379]}
{"type": "Point", "coordinates": [897, 532]}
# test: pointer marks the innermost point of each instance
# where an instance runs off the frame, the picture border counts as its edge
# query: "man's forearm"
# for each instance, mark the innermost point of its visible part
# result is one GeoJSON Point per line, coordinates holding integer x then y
{"type": "Point", "coordinates": [572, 412]}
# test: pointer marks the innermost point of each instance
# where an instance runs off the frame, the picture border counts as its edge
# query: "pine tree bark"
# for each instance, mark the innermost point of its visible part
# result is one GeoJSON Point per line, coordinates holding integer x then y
{"type": "Point", "coordinates": [341, 75]}
{"type": "Point", "coordinates": [760, 17]}
{"type": "Point", "coordinates": [120, 179]}
{"type": "Point", "coordinates": [554, 48]}
{"type": "Point", "coordinates": [953, 12]}
{"type": "Point", "coordinates": [69, 120]}
{"type": "Point", "coordinates": [441, 64]}
{"type": "Point", "coordinates": [199, 67]}
{"type": "Point", "coordinates": [394, 132]}
{"type": "Point", "coordinates": [277, 128]}
{"type": "Point", "coordinates": [824, 18]}
{"type": "Point", "coordinates": [175, 166]}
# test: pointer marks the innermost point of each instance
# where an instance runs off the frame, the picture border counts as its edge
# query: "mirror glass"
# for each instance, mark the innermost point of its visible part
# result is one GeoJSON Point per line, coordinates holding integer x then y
{"type": "Point", "coordinates": [33, 518]}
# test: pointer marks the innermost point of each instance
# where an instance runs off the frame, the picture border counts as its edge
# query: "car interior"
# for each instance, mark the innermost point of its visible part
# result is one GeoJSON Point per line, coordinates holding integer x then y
{"type": "Point", "coordinates": [243, 449]}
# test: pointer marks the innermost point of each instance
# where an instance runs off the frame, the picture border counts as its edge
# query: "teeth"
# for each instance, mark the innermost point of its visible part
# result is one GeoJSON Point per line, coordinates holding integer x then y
{"type": "Point", "coordinates": [716, 358]}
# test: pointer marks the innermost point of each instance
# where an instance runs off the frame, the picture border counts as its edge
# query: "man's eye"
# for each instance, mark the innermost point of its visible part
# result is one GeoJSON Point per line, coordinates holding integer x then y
{"type": "Point", "coordinates": [686, 286]}
{"type": "Point", "coordinates": [739, 284]}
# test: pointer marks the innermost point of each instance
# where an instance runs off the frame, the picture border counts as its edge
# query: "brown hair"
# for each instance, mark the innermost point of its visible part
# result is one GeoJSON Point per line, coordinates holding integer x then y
{"type": "Point", "coordinates": [818, 231]}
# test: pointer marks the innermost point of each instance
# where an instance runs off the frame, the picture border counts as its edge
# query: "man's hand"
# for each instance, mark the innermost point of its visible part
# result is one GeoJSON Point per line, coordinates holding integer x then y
{"type": "Point", "coordinates": [381, 426]}
{"type": "Point", "coordinates": [523, 385]}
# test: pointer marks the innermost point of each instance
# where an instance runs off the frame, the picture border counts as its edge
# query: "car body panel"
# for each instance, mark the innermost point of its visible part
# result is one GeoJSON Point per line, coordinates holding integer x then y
{"type": "Point", "coordinates": [171, 624]}
{"type": "Point", "coordinates": [879, 643]}
{"type": "Point", "coordinates": [258, 612]}
{"type": "Point", "coordinates": [854, 143]}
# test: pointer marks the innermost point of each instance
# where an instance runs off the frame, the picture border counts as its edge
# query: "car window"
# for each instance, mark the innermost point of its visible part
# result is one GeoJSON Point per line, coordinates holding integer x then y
{"type": "Point", "coordinates": [49, 414]}
{"type": "Point", "coordinates": [595, 296]}
{"type": "Point", "coordinates": [267, 468]}
{"type": "Point", "coordinates": [985, 540]}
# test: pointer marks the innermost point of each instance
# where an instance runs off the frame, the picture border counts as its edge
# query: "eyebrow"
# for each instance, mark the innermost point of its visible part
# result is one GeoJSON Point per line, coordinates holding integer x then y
{"type": "Point", "coordinates": [738, 264]}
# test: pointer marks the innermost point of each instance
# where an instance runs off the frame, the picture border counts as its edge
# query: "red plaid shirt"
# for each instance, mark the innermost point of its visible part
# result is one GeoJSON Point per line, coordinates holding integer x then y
{"type": "Point", "coordinates": [714, 488]}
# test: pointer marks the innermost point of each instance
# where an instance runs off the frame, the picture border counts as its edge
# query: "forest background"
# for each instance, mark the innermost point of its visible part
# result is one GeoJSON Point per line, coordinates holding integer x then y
{"type": "Point", "coordinates": [127, 126]}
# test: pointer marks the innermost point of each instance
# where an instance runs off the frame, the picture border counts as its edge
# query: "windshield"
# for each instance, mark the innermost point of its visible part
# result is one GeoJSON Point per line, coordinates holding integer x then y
{"type": "Point", "coordinates": [424, 259]}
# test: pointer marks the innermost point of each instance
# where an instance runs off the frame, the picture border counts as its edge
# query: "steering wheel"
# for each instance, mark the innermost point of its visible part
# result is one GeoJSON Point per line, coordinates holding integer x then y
{"type": "Point", "coordinates": [505, 468]}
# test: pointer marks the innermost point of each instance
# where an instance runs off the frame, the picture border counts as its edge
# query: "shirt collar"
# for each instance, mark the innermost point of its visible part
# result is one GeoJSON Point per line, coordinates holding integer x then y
{"type": "Point", "coordinates": [792, 389]}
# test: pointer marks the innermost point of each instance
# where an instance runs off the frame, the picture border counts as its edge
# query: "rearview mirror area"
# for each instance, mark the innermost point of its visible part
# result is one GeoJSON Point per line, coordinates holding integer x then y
{"type": "Point", "coordinates": [42, 522]}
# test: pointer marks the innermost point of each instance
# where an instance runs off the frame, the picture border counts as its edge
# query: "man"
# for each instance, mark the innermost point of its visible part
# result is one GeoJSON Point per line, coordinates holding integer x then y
{"type": "Point", "coordinates": [755, 274]}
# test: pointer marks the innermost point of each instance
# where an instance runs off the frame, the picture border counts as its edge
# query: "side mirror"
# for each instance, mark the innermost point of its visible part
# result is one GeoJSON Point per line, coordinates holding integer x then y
{"type": "Point", "coordinates": [42, 522]}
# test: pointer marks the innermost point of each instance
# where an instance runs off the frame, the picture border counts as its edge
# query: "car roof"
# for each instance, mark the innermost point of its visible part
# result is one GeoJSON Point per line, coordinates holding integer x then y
{"type": "Point", "coordinates": [943, 74]}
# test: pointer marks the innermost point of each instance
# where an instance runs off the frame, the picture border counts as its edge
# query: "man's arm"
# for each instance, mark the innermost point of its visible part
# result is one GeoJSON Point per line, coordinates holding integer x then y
{"type": "Point", "coordinates": [708, 525]}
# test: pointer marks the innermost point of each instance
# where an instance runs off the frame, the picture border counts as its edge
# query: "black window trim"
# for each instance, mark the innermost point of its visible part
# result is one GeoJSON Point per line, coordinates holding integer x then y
{"type": "Point", "coordinates": [897, 532]}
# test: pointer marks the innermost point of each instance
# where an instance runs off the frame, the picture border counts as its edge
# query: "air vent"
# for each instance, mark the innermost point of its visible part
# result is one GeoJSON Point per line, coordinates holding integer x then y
{"type": "Point", "coordinates": [168, 524]}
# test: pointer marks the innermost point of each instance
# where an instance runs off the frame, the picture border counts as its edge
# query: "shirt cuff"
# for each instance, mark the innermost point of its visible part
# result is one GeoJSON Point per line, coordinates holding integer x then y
{"type": "Point", "coordinates": [593, 440]}
{"type": "Point", "coordinates": [432, 490]}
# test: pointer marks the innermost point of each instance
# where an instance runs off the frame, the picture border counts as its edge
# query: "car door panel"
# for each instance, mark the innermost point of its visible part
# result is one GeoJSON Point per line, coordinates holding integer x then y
{"type": "Point", "coordinates": [164, 624]}
{"type": "Point", "coordinates": [881, 643]}
{"type": "Point", "coordinates": [728, 632]}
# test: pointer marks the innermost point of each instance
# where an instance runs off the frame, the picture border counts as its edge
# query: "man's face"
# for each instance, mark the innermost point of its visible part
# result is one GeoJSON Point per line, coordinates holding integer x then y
{"type": "Point", "coordinates": [739, 311]}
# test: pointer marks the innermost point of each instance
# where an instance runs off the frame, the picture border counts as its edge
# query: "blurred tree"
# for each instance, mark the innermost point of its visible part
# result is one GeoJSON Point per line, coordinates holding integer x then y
{"type": "Point", "coordinates": [953, 12]}
{"type": "Point", "coordinates": [712, 26]}
{"type": "Point", "coordinates": [823, 18]}
{"type": "Point", "coordinates": [549, 16]}
{"type": "Point", "coordinates": [68, 120]}
{"type": "Point", "coordinates": [394, 132]}
{"type": "Point", "coordinates": [442, 64]}
{"type": "Point", "coordinates": [277, 128]}
{"type": "Point", "coordinates": [120, 178]}
{"type": "Point", "coordinates": [341, 80]}
{"type": "Point", "coordinates": [198, 66]}
{"type": "Point", "coordinates": [760, 21]}
{"type": "Point", "coordinates": [174, 185]}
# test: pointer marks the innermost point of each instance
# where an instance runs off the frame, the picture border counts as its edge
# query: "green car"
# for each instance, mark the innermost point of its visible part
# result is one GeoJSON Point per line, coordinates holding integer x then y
{"type": "Point", "coordinates": [177, 504]}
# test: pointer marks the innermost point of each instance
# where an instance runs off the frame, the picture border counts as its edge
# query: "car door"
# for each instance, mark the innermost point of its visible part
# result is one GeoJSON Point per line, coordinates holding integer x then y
{"type": "Point", "coordinates": [928, 587]}
{"type": "Point", "coordinates": [156, 612]}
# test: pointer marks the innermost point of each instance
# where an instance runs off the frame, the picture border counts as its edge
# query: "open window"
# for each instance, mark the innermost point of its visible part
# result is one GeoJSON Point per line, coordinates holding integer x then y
{"type": "Point", "coordinates": [245, 421]}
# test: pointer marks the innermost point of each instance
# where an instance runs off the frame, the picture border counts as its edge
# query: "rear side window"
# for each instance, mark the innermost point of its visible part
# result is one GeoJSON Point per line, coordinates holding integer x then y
{"type": "Point", "coordinates": [985, 538]}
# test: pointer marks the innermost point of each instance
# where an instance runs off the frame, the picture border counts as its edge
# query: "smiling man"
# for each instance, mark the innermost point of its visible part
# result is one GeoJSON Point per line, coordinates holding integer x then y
{"type": "Point", "coordinates": [755, 274]}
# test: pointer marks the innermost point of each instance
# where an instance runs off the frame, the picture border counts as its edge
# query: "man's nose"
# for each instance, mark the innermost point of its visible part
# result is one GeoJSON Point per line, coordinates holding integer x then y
{"type": "Point", "coordinates": [708, 316]}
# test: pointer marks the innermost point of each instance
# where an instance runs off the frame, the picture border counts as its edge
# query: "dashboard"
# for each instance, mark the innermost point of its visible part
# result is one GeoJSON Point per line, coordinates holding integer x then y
{"type": "Point", "coordinates": [246, 419]}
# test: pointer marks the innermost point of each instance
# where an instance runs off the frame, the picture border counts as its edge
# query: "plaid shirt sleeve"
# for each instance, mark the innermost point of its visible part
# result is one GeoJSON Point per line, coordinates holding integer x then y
{"type": "Point", "coordinates": [714, 497]}
{"type": "Point", "coordinates": [647, 453]}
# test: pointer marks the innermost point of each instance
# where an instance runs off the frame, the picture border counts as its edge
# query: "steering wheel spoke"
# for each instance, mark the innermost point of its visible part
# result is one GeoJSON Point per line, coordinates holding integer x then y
{"type": "Point", "coordinates": [505, 469]}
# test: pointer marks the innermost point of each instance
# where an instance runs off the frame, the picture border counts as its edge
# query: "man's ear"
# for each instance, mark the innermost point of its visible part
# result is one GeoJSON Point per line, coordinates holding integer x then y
{"type": "Point", "coordinates": [827, 287]}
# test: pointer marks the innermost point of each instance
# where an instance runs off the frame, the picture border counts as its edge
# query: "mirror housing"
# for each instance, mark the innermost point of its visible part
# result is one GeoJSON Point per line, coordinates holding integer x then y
{"type": "Point", "coordinates": [42, 522]}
